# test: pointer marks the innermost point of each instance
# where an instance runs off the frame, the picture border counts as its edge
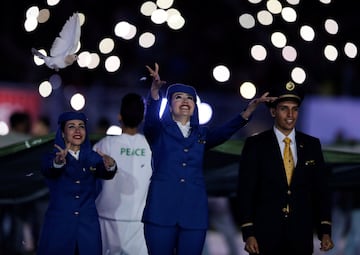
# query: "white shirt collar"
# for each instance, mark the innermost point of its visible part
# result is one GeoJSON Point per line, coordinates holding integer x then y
{"type": "Point", "coordinates": [75, 154]}
{"type": "Point", "coordinates": [280, 136]}
{"type": "Point", "coordinates": [185, 129]}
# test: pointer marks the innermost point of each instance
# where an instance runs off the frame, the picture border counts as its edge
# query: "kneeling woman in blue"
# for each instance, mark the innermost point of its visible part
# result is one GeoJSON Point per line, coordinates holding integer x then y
{"type": "Point", "coordinates": [176, 212]}
{"type": "Point", "coordinates": [71, 224]}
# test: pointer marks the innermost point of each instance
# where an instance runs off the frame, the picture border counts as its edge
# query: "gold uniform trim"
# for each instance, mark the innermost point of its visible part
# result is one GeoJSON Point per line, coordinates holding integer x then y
{"type": "Point", "coordinates": [289, 96]}
{"type": "Point", "coordinates": [325, 222]}
{"type": "Point", "coordinates": [290, 86]}
{"type": "Point", "coordinates": [247, 224]}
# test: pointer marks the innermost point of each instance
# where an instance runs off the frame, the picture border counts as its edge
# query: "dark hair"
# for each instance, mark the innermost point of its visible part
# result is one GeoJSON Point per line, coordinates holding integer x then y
{"type": "Point", "coordinates": [103, 124]}
{"type": "Point", "coordinates": [45, 120]}
{"type": "Point", "coordinates": [132, 110]}
{"type": "Point", "coordinates": [20, 122]}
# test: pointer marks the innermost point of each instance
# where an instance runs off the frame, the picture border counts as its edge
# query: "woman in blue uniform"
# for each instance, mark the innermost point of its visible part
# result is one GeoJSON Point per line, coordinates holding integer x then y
{"type": "Point", "coordinates": [71, 223]}
{"type": "Point", "coordinates": [176, 211]}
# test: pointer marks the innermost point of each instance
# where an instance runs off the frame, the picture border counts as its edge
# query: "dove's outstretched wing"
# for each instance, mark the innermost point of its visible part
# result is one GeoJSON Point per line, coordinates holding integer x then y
{"type": "Point", "coordinates": [67, 41]}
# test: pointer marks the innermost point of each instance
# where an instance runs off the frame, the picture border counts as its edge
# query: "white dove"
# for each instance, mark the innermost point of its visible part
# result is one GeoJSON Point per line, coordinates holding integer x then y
{"type": "Point", "coordinates": [62, 52]}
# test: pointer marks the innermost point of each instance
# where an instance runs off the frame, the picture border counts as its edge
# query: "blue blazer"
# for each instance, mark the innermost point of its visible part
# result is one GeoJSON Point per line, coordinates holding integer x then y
{"type": "Point", "coordinates": [177, 192]}
{"type": "Point", "coordinates": [71, 217]}
{"type": "Point", "coordinates": [264, 194]}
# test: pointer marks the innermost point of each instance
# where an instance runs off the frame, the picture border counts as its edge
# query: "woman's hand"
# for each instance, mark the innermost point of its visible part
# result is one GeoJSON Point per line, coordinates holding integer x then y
{"type": "Point", "coordinates": [156, 83]}
{"type": "Point", "coordinates": [326, 243]}
{"type": "Point", "coordinates": [109, 162]}
{"type": "Point", "coordinates": [255, 102]}
{"type": "Point", "coordinates": [251, 245]}
{"type": "Point", "coordinates": [60, 158]}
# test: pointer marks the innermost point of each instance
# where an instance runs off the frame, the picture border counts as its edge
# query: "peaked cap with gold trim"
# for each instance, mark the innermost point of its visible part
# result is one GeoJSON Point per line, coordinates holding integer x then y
{"type": "Point", "coordinates": [285, 92]}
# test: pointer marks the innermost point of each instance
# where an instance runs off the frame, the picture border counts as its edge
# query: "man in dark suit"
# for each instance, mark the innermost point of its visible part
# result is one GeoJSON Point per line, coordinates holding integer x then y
{"type": "Point", "coordinates": [280, 209]}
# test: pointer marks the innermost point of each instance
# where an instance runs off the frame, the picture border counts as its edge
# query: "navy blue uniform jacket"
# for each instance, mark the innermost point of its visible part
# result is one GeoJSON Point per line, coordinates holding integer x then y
{"type": "Point", "coordinates": [177, 192]}
{"type": "Point", "coordinates": [264, 194]}
{"type": "Point", "coordinates": [71, 216]}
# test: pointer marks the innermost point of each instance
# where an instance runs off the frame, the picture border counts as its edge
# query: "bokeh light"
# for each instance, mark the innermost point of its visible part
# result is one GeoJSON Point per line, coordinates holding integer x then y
{"type": "Point", "coordinates": [114, 130]}
{"type": "Point", "coordinates": [330, 52]}
{"type": "Point", "coordinates": [205, 113]}
{"type": "Point", "coordinates": [106, 45]}
{"type": "Point", "coordinates": [298, 75]}
{"type": "Point", "coordinates": [247, 90]}
{"type": "Point", "coordinates": [289, 14]}
{"type": "Point", "coordinates": [289, 53]}
{"type": "Point", "coordinates": [221, 73]}
{"type": "Point", "coordinates": [265, 17]}
{"type": "Point", "coordinates": [278, 39]}
{"type": "Point", "coordinates": [4, 128]}
{"type": "Point", "coordinates": [258, 52]}
{"type": "Point", "coordinates": [45, 89]}
{"type": "Point", "coordinates": [247, 21]}
{"type": "Point", "coordinates": [350, 50]}
{"type": "Point", "coordinates": [112, 64]}
{"type": "Point", "coordinates": [146, 40]}
{"type": "Point", "coordinates": [147, 8]}
{"type": "Point", "coordinates": [307, 33]}
{"type": "Point", "coordinates": [77, 101]}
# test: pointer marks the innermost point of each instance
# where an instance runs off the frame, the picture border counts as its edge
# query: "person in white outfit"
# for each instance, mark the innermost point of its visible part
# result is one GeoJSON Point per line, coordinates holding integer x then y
{"type": "Point", "coordinates": [121, 201]}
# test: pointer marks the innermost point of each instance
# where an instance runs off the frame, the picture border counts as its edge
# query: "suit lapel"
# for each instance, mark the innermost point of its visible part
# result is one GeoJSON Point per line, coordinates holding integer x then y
{"type": "Point", "coordinates": [300, 146]}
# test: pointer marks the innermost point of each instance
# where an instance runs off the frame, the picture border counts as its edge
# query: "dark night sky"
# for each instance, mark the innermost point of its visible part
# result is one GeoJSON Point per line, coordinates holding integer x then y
{"type": "Point", "coordinates": [211, 36]}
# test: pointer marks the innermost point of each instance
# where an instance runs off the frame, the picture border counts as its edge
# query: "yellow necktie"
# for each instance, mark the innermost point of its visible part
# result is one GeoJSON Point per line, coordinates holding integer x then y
{"type": "Point", "coordinates": [288, 159]}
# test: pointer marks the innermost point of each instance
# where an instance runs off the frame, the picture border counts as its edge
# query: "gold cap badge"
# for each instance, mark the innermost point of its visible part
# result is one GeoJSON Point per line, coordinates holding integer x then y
{"type": "Point", "coordinates": [290, 86]}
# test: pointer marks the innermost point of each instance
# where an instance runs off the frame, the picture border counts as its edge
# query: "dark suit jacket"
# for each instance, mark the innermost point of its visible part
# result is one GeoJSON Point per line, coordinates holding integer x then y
{"type": "Point", "coordinates": [264, 194]}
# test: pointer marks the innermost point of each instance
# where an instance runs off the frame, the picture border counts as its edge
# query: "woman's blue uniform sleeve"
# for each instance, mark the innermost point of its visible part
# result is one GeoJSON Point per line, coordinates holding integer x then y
{"type": "Point", "coordinates": [221, 134]}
